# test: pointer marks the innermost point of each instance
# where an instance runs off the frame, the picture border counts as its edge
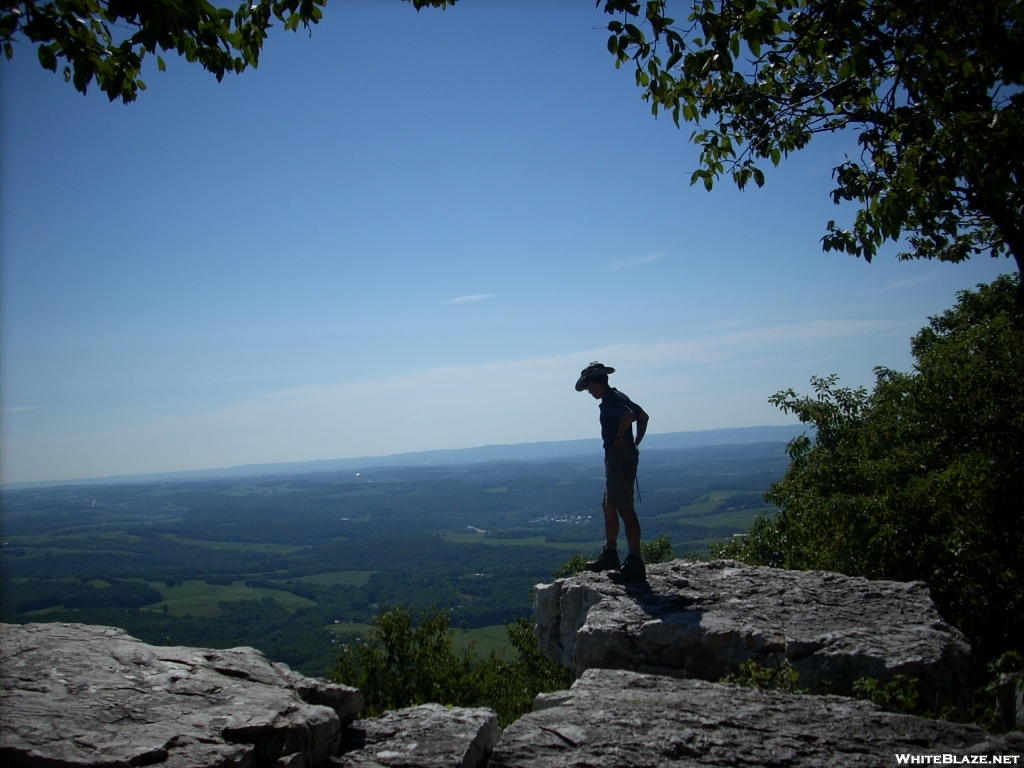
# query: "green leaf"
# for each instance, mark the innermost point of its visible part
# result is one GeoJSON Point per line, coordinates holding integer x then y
{"type": "Point", "coordinates": [635, 33]}
{"type": "Point", "coordinates": [160, 64]}
{"type": "Point", "coordinates": [47, 58]}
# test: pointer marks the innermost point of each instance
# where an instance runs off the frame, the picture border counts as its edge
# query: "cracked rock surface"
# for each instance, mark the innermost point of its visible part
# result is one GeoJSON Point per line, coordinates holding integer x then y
{"type": "Point", "coordinates": [82, 695]}
{"type": "Point", "coordinates": [428, 736]}
{"type": "Point", "coordinates": [703, 620]}
{"type": "Point", "coordinates": [621, 719]}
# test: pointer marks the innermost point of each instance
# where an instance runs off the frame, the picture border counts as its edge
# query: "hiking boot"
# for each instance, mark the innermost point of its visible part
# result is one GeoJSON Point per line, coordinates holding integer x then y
{"type": "Point", "coordinates": [608, 561]}
{"type": "Point", "coordinates": [632, 570]}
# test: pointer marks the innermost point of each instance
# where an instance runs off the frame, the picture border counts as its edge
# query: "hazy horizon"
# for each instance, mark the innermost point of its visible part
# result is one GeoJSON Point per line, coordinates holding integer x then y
{"type": "Point", "coordinates": [533, 451]}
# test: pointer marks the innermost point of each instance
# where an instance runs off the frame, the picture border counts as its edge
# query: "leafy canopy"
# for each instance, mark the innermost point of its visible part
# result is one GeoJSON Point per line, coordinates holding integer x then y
{"type": "Point", "coordinates": [922, 478]}
{"type": "Point", "coordinates": [932, 87]}
{"type": "Point", "coordinates": [107, 40]}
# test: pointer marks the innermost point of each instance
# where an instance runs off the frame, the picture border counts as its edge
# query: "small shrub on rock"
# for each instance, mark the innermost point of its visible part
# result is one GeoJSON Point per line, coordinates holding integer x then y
{"type": "Point", "coordinates": [408, 660]}
{"type": "Point", "coordinates": [898, 695]}
{"type": "Point", "coordinates": [753, 675]}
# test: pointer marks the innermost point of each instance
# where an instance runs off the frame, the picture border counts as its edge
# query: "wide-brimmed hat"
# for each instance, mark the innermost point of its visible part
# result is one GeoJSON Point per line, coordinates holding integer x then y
{"type": "Point", "coordinates": [592, 370]}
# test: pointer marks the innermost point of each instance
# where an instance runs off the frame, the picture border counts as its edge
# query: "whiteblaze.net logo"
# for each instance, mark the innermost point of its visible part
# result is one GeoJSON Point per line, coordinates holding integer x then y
{"type": "Point", "coordinates": [907, 759]}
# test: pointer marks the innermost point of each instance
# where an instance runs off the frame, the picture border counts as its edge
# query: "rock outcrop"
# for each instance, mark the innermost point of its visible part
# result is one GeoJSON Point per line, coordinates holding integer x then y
{"type": "Point", "coordinates": [703, 620]}
{"type": "Point", "coordinates": [428, 736]}
{"type": "Point", "coordinates": [617, 718]}
{"type": "Point", "coordinates": [645, 658]}
{"type": "Point", "coordinates": [75, 694]}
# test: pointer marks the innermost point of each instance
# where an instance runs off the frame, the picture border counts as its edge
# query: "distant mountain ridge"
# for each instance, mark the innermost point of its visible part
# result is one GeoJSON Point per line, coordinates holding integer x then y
{"type": "Point", "coordinates": [540, 451]}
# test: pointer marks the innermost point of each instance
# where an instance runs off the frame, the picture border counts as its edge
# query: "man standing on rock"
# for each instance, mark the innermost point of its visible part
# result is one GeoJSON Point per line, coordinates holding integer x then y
{"type": "Point", "coordinates": [621, 456]}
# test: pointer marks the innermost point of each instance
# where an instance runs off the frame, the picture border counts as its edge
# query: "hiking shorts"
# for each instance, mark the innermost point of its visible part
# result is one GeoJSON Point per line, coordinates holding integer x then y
{"type": "Point", "coordinates": [619, 475]}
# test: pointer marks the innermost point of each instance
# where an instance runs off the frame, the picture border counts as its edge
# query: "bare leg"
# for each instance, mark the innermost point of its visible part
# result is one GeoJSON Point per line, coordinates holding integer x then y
{"type": "Point", "coordinates": [632, 525]}
{"type": "Point", "coordinates": [609, 558]}
{"type": "Point", "coordinates": [611, 525]}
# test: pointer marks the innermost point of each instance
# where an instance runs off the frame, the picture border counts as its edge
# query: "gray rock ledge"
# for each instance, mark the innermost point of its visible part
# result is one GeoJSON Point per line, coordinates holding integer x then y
{"type": "Point", "coordinates": [704, 619]}
{"type": "Point", "coordinates": [428, 736]}
{"type": "Point", "coordinates": [81, 695]}
{"type": "Point", "coordinates": [620, 719]}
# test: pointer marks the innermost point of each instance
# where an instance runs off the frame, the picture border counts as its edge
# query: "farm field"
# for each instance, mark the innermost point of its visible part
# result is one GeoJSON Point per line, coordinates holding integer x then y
{"type": "Point", "coordinates": [720, 509]}
{"type": "Point", "coordinates": [234, 545]}
{"type": "Point", "coordinates": [197, 598]}
{"type": "Point", "coordinates": [344, 578]}
{"type": "Point", "coordinates": [492, 638]}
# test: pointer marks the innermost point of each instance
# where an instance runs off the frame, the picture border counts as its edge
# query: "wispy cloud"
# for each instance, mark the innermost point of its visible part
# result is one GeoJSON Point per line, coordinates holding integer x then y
{"type": "Point", "coordinates": [911, 281]}
{"type": "Point", "coordinates": [158, 407]}
{"type": "Point", "coordinates": [729, 370]}
{"type": "Point", "coordinates": [481, 393]}
{"type": "Point", "coordinates": [244, 393]}
{"type": "Point", "coordinates": [466, 299]}
{"type": "Point", "coordinates": [636, 261]}
{"type": "Point", "coordinates": [20, 408]}
{"type": "Point", "coordinates": [213, 382]}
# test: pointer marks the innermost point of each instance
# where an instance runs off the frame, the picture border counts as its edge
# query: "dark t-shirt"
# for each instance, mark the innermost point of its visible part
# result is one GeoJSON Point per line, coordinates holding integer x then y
{"type": "Point", "coordinates": [613, 405]}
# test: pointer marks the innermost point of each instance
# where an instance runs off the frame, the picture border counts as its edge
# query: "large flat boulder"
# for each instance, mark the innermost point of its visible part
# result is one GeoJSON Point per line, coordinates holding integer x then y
{"type": "Point", "coordinates": [428, 736]}
{"type": "Point", "coordinates": [704, 619]}
{"type": "Point", "coordinates": [80, 695]}
{"type": "Point", "coordinates": [622, 719]}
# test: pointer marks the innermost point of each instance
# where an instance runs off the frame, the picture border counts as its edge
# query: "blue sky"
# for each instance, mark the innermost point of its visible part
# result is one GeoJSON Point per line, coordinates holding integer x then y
{"type": "Point", "coordinates": [405, 232]}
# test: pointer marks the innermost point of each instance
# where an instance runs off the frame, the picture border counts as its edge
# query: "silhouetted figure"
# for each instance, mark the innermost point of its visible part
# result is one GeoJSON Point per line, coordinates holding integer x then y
{"type": "Point", "coordinates": [621, 456]}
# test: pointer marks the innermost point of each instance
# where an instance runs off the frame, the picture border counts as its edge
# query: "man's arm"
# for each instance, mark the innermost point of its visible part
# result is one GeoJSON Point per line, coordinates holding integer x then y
{"type": "Point", "coordinates": [621, 435]}
{"type": "Point", "coordinates": [641, 426]}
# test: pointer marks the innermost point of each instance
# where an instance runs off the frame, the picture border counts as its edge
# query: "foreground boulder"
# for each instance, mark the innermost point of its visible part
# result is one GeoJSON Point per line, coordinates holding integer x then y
{"type": "Point", "coordinates": [428, 736]}
{"type": "Point", "coordinates": [705, 619]}
{"type": "Point", "coordinates": [622, 719]}
{"type": "Point", "coordinates": [74, 694]}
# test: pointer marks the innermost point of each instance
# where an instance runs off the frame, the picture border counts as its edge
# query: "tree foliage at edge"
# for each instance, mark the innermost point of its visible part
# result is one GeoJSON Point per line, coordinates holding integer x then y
{"type": "Point", "coordinates": [934, 88]}
{"type": "Point", "coordinates": [922, 478]}
{"type": "Point", "coordinates": [106, 40]}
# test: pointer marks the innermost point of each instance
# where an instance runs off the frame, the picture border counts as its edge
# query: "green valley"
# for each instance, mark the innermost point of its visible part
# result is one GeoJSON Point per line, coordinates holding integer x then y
{"type": "Point", "coordinates": [296, 564]}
